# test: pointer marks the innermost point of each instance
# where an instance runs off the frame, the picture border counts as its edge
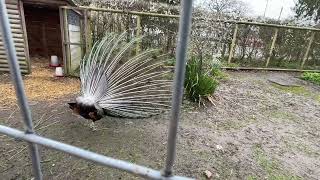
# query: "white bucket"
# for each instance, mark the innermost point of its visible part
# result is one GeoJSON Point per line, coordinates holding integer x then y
{"type": "Point", "coordinates": [59, 72]}
{"type": "Point", "coordinates": [54, 61]}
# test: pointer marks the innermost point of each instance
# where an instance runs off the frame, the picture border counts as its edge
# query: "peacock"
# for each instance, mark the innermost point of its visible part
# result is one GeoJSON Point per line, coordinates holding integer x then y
{"type": "Point", "coordinates": [118, 81]}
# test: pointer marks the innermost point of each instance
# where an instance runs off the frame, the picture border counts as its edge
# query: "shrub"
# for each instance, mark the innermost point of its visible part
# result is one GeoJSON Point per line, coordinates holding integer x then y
{"type": "Point", "coordinates": [312, 77]}
{"type": "Point", "coordinates": [171, 62]}
{"type": "Point", "coordinates": [198, 85]}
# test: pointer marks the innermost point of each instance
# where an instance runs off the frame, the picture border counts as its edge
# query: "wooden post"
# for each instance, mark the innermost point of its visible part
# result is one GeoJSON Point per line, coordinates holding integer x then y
{"type": "Point", "coordinates": [89, 35]}
{"type": "Point", "coordinates": [66, 39]}
{"type": "Point", "coordinates": [25, 36]}
{"type": "Point", "coordinates": [306, 55]}
{"type": "Point", "coordinates": [275, 36]}
{"type": "Point", "coordinates": [86, 31]}
{"type": "Point", "coordinates": [64, 54]}
{"type": "Point", "coordinates": [44, 40]}
{"type": "Point", "coordinates": [233, 43]}
{"type": "Point", "coordinates": [139, 29]}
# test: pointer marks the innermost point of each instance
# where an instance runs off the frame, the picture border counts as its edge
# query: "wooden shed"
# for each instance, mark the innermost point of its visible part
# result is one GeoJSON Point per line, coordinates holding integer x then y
{"type": "Point", "coordinates": [36, 30]}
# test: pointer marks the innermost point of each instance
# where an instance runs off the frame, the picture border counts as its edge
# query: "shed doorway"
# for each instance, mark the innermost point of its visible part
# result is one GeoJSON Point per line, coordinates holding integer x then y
{"type": "Point", "coordinates": [43, 31]}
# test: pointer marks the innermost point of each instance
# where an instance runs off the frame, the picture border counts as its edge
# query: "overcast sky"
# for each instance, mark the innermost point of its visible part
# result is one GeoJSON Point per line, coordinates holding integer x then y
{"type": "Point", "coordinates": [274, 7]}
{"type": "Point", "coordinates": [257, 7]}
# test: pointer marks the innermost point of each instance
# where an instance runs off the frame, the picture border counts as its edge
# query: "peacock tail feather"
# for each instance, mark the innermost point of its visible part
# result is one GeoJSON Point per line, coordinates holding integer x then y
{"type": "Point", "coordinates": [122, 84]}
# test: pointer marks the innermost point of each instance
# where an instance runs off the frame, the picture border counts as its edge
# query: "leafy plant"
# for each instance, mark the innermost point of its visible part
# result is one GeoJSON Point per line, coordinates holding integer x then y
{"type": "Point", "coordinates": [312, 77]}
{"type": "Point", "coordinates": [198, 84]}
{"type": "Point", "coordinates": [171, 62]}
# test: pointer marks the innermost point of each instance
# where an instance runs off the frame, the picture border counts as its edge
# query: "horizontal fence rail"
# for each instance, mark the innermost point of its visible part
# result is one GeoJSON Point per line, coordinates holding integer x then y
{"type": "Point", "coordinates": [269, 49]}
{"type": "Point", "coordinates": [34, 139]}
{"type": "Point", "coordinates": [88, 155]}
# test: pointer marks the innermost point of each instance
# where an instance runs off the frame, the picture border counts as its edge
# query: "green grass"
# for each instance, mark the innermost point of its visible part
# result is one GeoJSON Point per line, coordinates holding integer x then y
{"type": "Point", "coordinates": [284, 116]}
{"type": "Point", "coordinates": [298, 90]}
{"type": "Point", "coordinates": [218, 74]}
{"type": "Point", "coordinates": [312, 77]}
{"type": "Point", "coordinates": [236, 125]}
{"type": "Point", "coordinates": [271, 166]}
{"type": "Point", "coordinates": [301, 147]}
{"type": "Point", "coordinates": [198, 84]}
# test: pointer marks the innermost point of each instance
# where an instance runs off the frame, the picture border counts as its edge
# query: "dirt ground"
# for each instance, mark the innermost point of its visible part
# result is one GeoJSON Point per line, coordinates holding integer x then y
{"type": "Point", "coordinates": [255, 130]}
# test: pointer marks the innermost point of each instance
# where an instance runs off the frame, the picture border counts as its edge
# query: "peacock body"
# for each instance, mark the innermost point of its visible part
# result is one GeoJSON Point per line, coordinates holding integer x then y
{"type": "Point", "coordinates": [116, 83]}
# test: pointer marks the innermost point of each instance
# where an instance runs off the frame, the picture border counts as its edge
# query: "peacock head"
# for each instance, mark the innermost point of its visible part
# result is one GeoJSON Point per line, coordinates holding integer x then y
{"type": "Point", "coordinates": [85, 108]}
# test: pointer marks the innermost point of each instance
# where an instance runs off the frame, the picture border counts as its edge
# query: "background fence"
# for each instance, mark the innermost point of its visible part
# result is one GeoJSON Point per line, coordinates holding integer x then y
{"type": "Point", "coordinates": [234, 43]}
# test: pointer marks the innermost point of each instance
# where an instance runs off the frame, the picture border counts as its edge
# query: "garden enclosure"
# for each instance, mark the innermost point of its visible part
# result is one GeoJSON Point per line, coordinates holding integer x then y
{"type": "Point", "coordinates": [33, 139]}
{"type": "Point", "coordinates": [236, 44]}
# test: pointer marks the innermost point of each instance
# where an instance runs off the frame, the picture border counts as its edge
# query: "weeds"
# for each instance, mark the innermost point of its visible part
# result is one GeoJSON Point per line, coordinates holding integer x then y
{"type": "Point", "coordinates": [199, 84]}
{"type": "Point", "coordinates": [270, 166]}
{"type": "Point", "coordinates": [312, 77]}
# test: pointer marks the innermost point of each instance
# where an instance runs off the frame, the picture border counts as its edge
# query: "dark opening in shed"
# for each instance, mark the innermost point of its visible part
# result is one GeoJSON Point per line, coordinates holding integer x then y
{"type": "Point", "coordinates": [38, 28]}
{"type": "Point", "coordinates": [43, 29]}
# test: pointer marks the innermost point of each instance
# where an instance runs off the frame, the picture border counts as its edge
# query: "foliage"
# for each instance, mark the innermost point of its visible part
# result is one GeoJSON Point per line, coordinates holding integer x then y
{"type": "Point", "coordinates": [235, 8]}
{"type": "Point", "coordinates": [198, 85]}
{"type": "Point", "coordinates": [308, 9]}
{"type": "Point", "coordinates": [158, 32]}
{"type": "Point", "coordinates": [312, 77]}
{"type": "Point", "coordinates": [171, 62]}
{"type": "Point", "coordinates": [209, 38]}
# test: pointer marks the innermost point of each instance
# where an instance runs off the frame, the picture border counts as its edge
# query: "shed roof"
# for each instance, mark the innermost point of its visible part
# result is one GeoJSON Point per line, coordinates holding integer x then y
{"type": "Point", "coordinates": [52, 3]}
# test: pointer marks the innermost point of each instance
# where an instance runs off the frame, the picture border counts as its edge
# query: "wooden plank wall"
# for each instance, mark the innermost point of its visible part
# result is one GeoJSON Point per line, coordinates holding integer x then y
{"type": "Point", "coordinates": [43, 29]}
{"type": "Point", "coordinates": [15, 12]}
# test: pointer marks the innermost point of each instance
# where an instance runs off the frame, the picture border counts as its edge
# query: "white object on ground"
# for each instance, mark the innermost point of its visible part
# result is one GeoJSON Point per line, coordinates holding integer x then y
{"type": "Point", "coordinates": [59, 72]}
{"type": "Point", "coordinates": [54, 61]}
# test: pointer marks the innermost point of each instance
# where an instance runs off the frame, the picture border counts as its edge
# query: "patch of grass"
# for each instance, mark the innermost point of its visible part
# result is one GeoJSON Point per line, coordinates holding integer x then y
{"type": "Point", "coordinates": [170, 62]}
{"type": "Point", "coordinates": [218, 74]}
{"type": "Point", "coordinates": [298, 90]}
{"type": "Point", "coordinates": [301, 147]}
{"type": "Point", "coordinates": [282, 115]}
{"type": "Point", "coordinates": [312, 77]}
{"type": "Point", "coordinates": [252, 177]}
{"type": "Point", "coordinates": [271, 166]}
{"type": "Point", "coordinates": [232, 65]}
{"type": "Point", "coordinates": [236, 125]}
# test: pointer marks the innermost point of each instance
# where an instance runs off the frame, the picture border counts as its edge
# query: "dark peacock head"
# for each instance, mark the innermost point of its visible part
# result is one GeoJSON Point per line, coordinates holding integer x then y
{"type": "Point", "coordinates": [86, 111]}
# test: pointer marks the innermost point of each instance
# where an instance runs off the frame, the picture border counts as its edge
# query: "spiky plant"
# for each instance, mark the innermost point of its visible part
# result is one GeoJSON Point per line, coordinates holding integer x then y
{"type": "Point", "coordinates": [116, 83]}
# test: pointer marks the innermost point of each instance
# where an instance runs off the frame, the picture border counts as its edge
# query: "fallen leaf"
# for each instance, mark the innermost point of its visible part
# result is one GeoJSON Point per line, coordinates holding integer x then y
{"type": "Point", "coordinates": [208, 174]}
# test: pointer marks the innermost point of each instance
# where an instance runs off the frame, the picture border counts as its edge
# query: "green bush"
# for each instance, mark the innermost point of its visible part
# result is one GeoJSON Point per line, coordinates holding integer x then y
{"type": "Point", "coordinates": [198, 84]}
{"type": "Point", "coordinates": [312, 77]}
{"type": "Point", "coordinates": [171, 62]}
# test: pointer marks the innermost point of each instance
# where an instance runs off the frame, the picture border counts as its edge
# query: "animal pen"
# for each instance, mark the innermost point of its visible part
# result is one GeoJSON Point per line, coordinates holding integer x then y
{"type": "Point", "coordinates": [30, 136]}
{"type": "Point", "coordinates": [35, 27]}
{"type": "Point", "coordinates": [238, 44]}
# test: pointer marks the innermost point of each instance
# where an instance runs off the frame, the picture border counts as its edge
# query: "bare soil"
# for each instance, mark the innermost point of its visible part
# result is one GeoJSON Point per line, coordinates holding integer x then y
{"type": "Point", "coordinates": [255, 130]}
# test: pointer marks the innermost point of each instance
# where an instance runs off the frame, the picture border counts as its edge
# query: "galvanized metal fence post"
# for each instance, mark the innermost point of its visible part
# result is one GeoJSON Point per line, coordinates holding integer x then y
{"type": "Point", "coordinates": [184, 31]}
{"type": "Point", "coordinates": [19, 87]}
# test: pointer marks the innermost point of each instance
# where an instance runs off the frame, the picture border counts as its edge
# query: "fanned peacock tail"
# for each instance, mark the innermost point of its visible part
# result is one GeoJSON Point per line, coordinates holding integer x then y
{"type": "Point", "coordinates": [115, 81]}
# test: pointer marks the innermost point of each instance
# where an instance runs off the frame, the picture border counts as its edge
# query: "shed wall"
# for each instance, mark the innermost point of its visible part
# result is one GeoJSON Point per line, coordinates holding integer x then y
{"type": "Point", "coordinates": [17, 24]}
